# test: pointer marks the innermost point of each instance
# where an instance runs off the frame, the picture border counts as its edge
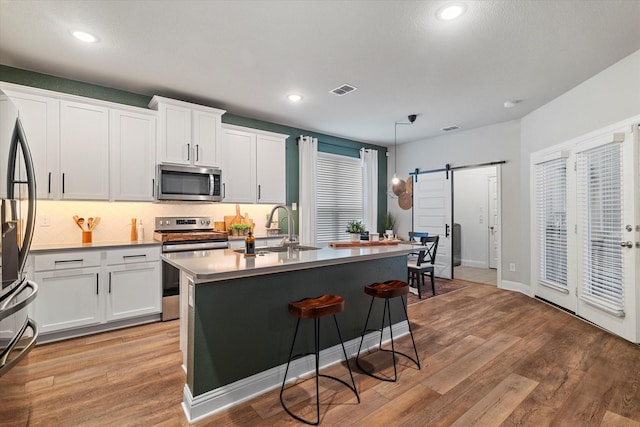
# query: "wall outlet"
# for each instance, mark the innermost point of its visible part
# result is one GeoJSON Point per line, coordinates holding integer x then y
{"type": "Point", "coordinates": [45, 221]}
{"type": "Point", "coordinates": [512, 267]}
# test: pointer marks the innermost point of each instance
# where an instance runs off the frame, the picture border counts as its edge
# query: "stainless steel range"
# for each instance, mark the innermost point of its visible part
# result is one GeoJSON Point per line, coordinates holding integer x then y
{"type": "Point", "coordinates": [183, 234]}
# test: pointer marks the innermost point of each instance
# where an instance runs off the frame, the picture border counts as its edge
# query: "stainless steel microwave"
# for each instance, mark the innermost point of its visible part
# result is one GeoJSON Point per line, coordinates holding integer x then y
{"type": "Point", "coordinates": [189, 183]}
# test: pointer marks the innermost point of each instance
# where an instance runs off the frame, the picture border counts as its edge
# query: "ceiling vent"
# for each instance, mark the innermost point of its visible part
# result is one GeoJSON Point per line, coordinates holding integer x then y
{"type": "Point", "coordinates": [343, 90]}
{"type": "Point", "coordinates": [450, 128]}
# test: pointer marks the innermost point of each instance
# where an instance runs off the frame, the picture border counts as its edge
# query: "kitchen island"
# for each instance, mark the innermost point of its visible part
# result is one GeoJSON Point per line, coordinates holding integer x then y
{"type": "Point", "coordinates": [236, 331]}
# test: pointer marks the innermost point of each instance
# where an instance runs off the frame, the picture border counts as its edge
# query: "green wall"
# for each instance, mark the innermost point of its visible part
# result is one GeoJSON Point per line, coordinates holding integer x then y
{"type": "Point", "coordinates": [326, 143]}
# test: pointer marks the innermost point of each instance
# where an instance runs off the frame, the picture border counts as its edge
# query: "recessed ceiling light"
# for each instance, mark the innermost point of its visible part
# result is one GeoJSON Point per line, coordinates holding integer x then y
{"type": "Point", "coordinates": [451, 11]}
{"type": "Point", "coordinates": [294, 97]}
{"type": "Point", "coordinates": [511, 103]}
{"type": "Point", "coordinates": [84, 36]}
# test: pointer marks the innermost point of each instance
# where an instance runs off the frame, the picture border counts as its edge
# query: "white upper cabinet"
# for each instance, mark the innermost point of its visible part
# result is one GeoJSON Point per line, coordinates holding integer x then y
{"type": "Point", "coordinates": [253, 165]}
{"type": "Point", "coordinates": [271, 168]}
{"type": "Point", "coordinates": [133, 153]}
{"type": "Point", "coordinates": [87, 149]}
{"type": "Point", "coordinates": [84, 151]}
{"type": "Point", "coordinates": [238, 166]}
{"type": "Point", "coordinates": [188, 134]}
{"type": "Point", "coordinates": [40, 117]}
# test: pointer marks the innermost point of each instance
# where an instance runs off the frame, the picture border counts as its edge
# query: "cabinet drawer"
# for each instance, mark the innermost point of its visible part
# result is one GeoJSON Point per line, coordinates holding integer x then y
{"type": "Point", "coordinates": [127, 256]}
{"type": "Point", "coordinates": [65, 260]}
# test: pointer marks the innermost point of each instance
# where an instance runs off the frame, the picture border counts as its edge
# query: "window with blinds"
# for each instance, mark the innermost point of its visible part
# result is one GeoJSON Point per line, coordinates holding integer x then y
{"type": "Point", "coordinates": [600, 205]}
{"type": "Point", "coordinates": [551, 223]}
{"type": "Point", "coordinates": [339, 196]}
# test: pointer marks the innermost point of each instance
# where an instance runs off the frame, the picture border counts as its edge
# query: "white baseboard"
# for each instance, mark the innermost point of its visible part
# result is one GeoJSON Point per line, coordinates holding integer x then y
{"type": "Point", "coordinates": [473, 263]}
{"type": "Point", "coordinates": [204, 405]}
{"type": "Point", "coordinates": [516, 287]}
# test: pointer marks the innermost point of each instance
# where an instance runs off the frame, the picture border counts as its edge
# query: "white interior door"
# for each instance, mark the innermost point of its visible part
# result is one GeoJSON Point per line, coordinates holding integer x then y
{"type": "Point", "coordinates": [607, 232]}
{"type": "Point", "coordinates": [494, 230]}
{"type": "Point", "coordinates": [432, 213]}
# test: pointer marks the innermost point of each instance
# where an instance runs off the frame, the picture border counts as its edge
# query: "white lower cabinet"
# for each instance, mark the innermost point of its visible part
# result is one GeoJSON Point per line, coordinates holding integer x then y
{"type": "Point", "coordinates": [91, 288]}
{"type": "Point", "coordinates": [132, 290]}
{"type": "Point", "coordinates": [67, 299]}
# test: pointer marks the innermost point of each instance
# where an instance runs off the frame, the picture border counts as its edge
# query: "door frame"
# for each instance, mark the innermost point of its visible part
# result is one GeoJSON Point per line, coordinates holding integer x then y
{"type": "Point", "coordinates": [450, 169]}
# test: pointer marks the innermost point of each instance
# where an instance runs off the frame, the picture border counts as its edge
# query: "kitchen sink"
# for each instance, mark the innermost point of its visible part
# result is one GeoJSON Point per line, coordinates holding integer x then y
{"type": "Point", "coordinates": [296, 248]}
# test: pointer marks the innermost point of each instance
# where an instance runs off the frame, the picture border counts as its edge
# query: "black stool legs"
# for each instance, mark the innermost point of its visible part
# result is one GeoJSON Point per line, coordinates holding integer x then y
{"type": "Point", "coordinates": [387, 313]}
{"type": "Point", "coordinates": [316, 329]}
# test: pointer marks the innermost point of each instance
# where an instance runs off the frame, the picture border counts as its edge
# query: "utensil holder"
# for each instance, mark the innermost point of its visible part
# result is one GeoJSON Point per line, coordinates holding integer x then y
{"type": "Point", "coordinates": [86, 236]}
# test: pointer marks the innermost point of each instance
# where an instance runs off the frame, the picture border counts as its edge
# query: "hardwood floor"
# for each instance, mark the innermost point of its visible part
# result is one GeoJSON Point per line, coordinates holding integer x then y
{"type": "Point", "coordinates": [489, 357]}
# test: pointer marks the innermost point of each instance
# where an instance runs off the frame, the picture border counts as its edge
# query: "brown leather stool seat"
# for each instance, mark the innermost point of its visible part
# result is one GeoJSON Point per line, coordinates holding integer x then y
{"type": "Point", "coordinates": [312, 308]}
{"type": "Point", "coordinates": [316, 308]}
{"type": "Point", "coordinates": [390, 289]}
{"type": "Point", "coordinates": [387, 290]}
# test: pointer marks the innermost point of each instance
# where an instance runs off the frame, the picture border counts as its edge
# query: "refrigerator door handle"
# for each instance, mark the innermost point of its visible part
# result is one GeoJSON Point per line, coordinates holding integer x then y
{"type": "Point", "coordinates": [6, 309]}
{"type": "Point", "coordinates": [26, 348]}
{"type": "Point", "coordinates": [19, 141]}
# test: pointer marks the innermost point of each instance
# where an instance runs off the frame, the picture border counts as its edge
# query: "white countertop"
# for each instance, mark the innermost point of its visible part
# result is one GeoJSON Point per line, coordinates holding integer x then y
{"type": "Point", "coordinates": [216, 265]}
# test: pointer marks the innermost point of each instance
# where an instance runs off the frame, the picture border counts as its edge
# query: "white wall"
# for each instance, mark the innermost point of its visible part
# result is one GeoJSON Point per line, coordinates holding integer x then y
{"type": "Point", "coordinates": [608, 97]}
{"type": "Point", "coordinates": [115, 218]}
{"type": "Point", "coordinates": [490, 143]}
{"type": "Point", "coordinates": [471, 205]}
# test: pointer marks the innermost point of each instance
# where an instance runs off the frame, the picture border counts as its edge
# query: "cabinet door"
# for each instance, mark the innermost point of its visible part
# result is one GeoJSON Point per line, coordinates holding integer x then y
{"type": "Point", "coordinates": [67, 299]}
{"type": "Point", "coordinates": [133, 290]}
{"type": "Point", "coordinates": [133, 153]}
{"type": "Point", "coordinates": [40, 117]}
{"type": "Point", "coordinates": [84, 151]}
{"type": "Point", "coordinates": [238, 171]}
{"type": "Point", "coordinates": [206, 149]}
{"type": "Point", "coordinates": [271, 169]}
{"type": "Point", "coordinates": [175, 135]}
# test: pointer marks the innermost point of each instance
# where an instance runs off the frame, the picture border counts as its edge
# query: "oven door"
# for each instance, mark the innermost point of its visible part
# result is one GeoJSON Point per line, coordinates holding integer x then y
{"type": "Point", "coordinates": [171, 275]}
{"type": "Point", "coordinates": [18, 333]}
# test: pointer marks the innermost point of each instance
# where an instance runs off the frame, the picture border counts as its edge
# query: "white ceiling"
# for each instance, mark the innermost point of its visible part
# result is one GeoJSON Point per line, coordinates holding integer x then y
{"type": "Point", "coordinates": [245, 56]}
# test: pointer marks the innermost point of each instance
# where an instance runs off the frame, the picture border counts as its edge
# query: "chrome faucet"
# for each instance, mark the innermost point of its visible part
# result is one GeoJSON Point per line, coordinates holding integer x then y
{"type": "Point", "coordinates": [288, 241]}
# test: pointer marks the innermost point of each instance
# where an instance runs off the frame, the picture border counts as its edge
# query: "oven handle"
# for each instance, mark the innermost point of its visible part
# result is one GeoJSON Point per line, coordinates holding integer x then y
{"type": "Point", "coordinates": [199, 246]}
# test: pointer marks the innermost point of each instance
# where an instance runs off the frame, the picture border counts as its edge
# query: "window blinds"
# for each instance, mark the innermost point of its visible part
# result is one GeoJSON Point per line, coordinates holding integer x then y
{"type": "Point", "coordinates": [551, 218]}
{"type": "Point", "coordinates": [600, 205]}
{"type": "Point", "coordinates": [339, 196]}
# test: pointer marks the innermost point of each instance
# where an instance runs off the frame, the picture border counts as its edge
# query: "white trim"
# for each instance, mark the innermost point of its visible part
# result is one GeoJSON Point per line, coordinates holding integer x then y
{"type": "Point", "coordinates": [473, 263]}
{"type": "Point", "coordinates": [10, 88]}
{"type": "Point", "coordinates": [253, 130]}
{"type": "Point", "coordinates": [523, 288]}
{"type": "Point", "coordinates": [206, 404]}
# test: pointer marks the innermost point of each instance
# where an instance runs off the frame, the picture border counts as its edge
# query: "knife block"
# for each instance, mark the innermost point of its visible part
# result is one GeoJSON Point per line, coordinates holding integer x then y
{"type": "Point", "coordinates": [86, 236]}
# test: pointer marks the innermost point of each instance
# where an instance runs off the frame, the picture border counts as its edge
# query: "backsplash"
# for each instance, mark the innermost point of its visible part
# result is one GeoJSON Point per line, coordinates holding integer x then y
{"type": "Point", "coordinates": [55, 224]}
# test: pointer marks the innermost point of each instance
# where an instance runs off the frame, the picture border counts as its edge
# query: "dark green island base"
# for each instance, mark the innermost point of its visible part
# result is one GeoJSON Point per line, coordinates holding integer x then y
{"type": "Point", "coordinates": [241, 327]}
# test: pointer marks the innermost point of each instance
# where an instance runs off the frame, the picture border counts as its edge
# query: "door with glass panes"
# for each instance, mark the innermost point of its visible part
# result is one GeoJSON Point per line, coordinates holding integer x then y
{"type": "Point", "coordinates": [586, 229]}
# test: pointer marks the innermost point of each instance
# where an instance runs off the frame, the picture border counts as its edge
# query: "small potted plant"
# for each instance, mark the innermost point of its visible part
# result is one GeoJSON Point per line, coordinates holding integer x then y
{"type": "Point", "coordinates": [389, 222]}
{"type": "Point", "coordinates": [239, 229]}
{"type": "Point", "coordinates": [355, 229]}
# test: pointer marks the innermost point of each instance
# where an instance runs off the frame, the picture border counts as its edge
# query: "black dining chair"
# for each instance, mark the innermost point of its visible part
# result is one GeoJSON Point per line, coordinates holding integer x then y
{"type": "Point", "coordinates": [425, 263]}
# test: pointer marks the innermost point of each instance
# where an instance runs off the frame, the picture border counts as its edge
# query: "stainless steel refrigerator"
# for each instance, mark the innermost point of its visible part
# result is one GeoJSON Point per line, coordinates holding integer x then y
{"type": "Point", "coordinates": [18, 333]}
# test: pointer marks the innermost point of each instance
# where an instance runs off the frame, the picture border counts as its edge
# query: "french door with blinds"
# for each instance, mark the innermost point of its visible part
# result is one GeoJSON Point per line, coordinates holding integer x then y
{"type": "Point", "coordinates": [587, 228]}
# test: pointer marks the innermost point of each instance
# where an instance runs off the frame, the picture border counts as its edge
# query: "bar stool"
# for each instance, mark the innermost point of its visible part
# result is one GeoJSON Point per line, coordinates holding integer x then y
{"type": "Point", "coordinates": [315, 308]}
{"type": "Point", "coordinates": [387, 290]}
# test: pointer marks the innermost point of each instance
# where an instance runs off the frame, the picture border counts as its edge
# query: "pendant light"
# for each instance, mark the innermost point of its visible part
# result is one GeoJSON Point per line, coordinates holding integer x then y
{"type": "Point", "coordinates": [395, 180]}
{"type": "Point", "coordinates": [412, 118]}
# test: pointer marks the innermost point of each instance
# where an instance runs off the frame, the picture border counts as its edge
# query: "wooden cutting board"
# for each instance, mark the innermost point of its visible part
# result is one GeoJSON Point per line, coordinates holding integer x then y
{"type": "Point", "coordinates": [230, 219]}
{"type": "Point", "coordinates": [248, 221]}
{"type": "Point", "coordinates": [363, 243]}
